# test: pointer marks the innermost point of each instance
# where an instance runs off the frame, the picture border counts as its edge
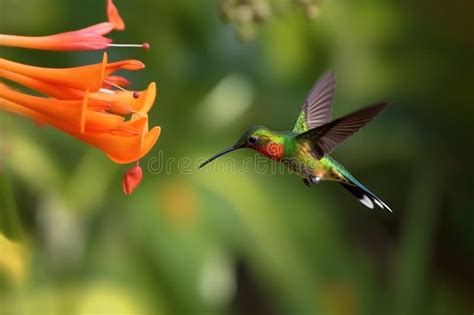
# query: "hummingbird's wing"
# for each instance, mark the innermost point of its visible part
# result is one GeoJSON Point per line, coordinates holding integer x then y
{"type": "Point", "coordinates": [317, 107]}
{"type": "Point", "coordinates": [323, 139]}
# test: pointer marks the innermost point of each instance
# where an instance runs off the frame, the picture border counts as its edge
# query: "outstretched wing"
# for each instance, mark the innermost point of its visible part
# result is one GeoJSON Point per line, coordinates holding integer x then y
{"type": "Point", "coordinates": [325, 138]}
{"type": "Point", "coordinates": [317, 107]}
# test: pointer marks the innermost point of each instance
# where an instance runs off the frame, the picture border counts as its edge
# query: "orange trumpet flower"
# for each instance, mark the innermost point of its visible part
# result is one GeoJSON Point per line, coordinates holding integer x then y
{"type": "Point", "coordinates": [71, 83]}
{"type": "Point", "coordinates": [82, 78]}
{"type": "Point", "coordinates": [87, 102]}
{"type": "Point", "coordinates": [89, 38]}
{"type": "Point", "coordinates": [123, 141]}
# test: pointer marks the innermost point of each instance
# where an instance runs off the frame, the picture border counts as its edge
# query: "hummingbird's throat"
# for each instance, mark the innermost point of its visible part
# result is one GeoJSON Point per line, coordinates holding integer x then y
{"type": "Point", "coordinates": [273, 151]}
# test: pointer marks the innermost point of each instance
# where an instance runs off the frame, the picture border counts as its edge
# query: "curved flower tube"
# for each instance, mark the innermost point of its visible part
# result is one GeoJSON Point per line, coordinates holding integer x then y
{"type": "Point", "coordinates": [89, 38]}
{"type": "Point", "coordinates": [81, 78]}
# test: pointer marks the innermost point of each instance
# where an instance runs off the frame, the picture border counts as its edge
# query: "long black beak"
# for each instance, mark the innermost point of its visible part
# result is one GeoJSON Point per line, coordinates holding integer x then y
{"type": "Point", "coordinates": [225, 151]}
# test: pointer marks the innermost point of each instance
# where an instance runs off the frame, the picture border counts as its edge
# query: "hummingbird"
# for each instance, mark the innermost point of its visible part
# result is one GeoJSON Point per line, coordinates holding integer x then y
{"type": "Point", "coordinates": [305, 149]}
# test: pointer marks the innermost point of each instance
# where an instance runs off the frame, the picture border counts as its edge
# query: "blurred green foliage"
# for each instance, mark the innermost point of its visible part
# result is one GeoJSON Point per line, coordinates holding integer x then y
{"type": "Point", "coordinates": [222, 243]}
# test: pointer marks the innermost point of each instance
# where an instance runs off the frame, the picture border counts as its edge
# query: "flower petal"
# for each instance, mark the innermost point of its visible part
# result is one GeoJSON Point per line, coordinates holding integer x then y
{"type": "Point", "coordinates": [114, 16]}
{"type": "Point", "coordinates": [134, 149]}
{"type": "Point", "coordinates": [116, 80]}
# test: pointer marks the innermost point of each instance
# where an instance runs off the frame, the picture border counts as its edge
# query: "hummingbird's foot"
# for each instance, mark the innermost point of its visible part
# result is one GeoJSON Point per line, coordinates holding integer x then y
{"type": "Point", "coordinates": [311, 180]}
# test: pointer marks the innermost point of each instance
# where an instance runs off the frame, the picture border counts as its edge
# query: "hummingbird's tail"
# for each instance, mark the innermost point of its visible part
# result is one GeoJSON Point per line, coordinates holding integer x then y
{"type": "Point", "coordinates": [365, 196]}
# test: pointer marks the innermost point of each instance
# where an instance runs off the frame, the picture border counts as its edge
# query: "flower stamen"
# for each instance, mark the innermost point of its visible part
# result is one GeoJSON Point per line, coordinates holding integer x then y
{"type": "Point", "coordinates": [115, 86]}
{"type": "Point", "coordinates": [145, 46]}
{"type": "Point", "coordinates": [135, 94]}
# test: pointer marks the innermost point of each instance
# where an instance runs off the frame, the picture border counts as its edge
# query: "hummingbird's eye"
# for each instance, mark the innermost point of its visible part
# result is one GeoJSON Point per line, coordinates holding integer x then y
{"type": "Point", "coordinates": [252, 140]}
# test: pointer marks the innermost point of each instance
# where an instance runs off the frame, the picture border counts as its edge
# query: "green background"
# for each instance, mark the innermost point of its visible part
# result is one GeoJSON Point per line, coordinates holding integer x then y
{"type": "Point", "coordinates": [217, 242]}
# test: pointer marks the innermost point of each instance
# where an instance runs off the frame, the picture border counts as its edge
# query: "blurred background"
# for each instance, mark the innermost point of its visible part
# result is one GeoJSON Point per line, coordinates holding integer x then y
{"type": "Point", "coordinates": [218, 242]}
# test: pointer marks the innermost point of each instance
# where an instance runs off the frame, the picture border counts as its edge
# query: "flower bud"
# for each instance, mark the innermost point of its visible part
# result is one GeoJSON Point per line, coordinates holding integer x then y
{"type": "Point", "coordinates": [131, 179]}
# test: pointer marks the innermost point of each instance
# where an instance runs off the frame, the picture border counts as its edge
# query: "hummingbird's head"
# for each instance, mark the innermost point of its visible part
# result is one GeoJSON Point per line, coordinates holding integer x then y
{"type": "Point", "coordinates": [253, 137]}
{"type": "Point", "coordinates": [258, 138]}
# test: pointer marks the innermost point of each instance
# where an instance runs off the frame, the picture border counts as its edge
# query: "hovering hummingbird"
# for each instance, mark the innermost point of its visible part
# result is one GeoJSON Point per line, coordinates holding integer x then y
{"type": "Point", "coordinates": [305, 149]}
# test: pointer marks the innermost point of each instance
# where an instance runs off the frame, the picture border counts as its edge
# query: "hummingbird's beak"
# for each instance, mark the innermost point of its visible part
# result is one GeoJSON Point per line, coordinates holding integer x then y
{"type": "Point", "coordinates": [225, 151]}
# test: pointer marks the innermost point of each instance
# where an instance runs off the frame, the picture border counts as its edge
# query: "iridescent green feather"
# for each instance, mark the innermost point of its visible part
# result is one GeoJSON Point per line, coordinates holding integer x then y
{"type": "Point", "coordinates": [301, 125]}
